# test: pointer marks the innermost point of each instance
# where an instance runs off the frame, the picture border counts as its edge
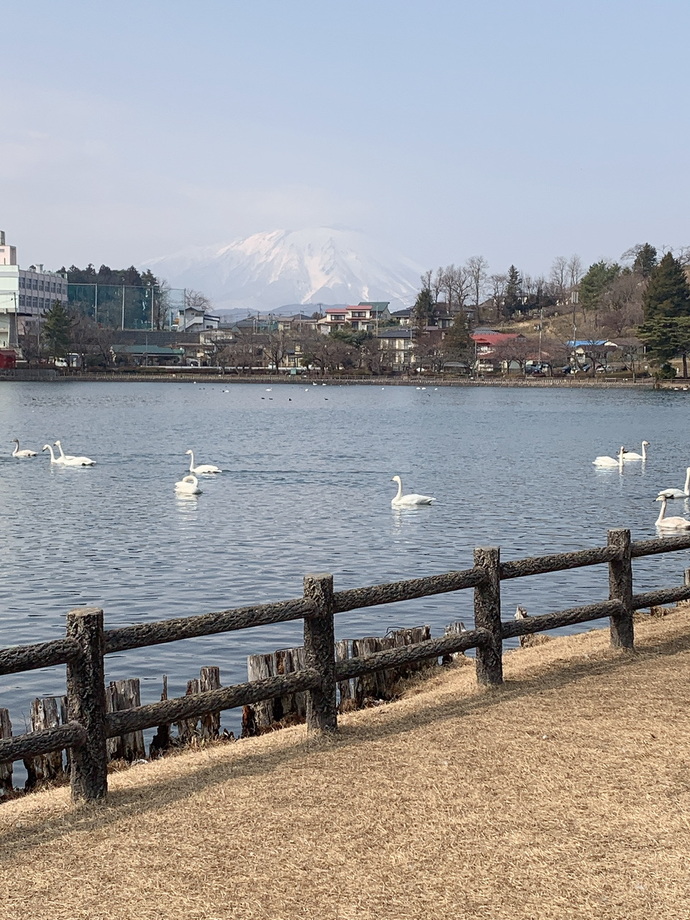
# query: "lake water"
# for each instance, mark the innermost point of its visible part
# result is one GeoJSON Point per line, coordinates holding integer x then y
{"type": "Point", "coordinates": [306, 488]}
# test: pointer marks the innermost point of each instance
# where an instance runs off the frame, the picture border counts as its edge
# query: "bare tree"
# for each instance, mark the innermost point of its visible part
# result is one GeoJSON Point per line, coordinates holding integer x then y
{"type": "Point", "coordinates": [559, 278]}
{"type": "Point", "coordinates": [574, 270]}
{"type": "Point", "coordinates": [498, 290]}
{"type": "Point", "coordinates": [476, 269]}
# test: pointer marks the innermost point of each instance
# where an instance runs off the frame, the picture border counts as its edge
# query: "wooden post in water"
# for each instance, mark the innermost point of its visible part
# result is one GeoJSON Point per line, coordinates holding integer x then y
{"type": "Point", "coordinates": [209, 679]}
{"type": "Point", "coordinates": [187, 731]}
{"type": "Point", "coordinates": [125, 694]}
{"type": "Point", "coordinates": [621, 588]}
{"type": "Point", "coordinates": [5, 768]}
{"type": "Point", "coordinates": [319, 649]}
{"type": "Point", "coordinates": [45, 767]}
{"type": "Point", "coordinates": [161, 740]}
{"type": "Point", "coordinates": [487, 615]}
{"type": "Point", "coordinates": [86, 704]}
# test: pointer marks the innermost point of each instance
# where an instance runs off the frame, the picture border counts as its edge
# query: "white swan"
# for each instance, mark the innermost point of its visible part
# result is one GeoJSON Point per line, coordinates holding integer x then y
{"type": "Point", "coordinates": [71, 460]}
{"type": "Point", "coordinates": [203, 468]}
{"type": "Point", "coordinates": [21, 453]}
{"type": "Point", "coordinates": [188, 485]}
{"type": "Point", "coordinates": [633, 455]}
{"type": "Point", "coordinates": [678, 493]}
{"type": "Point", "coordinates": [669, 523]}
{"type": "Point", "coordinates": [610, 461]}
{"type": "Point", "coordinates": [410, 500]}
{"type": "Point", "coordinates": [53, 458]}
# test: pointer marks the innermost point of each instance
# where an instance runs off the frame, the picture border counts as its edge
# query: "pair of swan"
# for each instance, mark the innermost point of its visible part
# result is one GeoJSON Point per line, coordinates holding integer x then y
{"type": "Point", "coordinates": [64, 459]}
{"type": "Point", "coordinates": [623, 456]}
{"type": "Point", "coordinates": [411, 499]}
{"type": "Point", "coordinates": [22, 454]}
{"type": "Point", "coordinates": [669, 523]}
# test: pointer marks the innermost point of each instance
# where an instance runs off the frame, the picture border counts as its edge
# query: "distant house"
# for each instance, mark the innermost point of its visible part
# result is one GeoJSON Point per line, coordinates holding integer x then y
{"type": "Point", "coordinates": [398, 344]}
{"type": "Point", "coordinates": [195, 319]}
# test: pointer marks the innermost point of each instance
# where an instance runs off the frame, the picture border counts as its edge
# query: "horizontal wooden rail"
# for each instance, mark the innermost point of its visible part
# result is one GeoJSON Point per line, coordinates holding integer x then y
{"type": "Point", "coordinates": [663, 596]}
{"type": "Point", "coordinates": [560, 618]}
{"type": "Point", "coordinates": [659, 545]}
{"type": "Point", "coordinates": [207, 624]}
{"type": "Point", "coordinates": [199, 704]}
{"type": "Point", "coordinates": [42, 742]}
{"type": "Point", "coordinates": [395, 657]}
{"type": "Point", "coordinates": [42, 655]}
{"type": "Point", "coordinates": [375, 595]}
{"type": "Point", "coordinates": [557, 562]}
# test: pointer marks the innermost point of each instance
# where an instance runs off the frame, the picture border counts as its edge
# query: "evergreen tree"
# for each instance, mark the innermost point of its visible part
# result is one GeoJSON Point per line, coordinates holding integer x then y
{"type": "Point", "coordinates": [667, 294]}
{"type": "Point", "coordinates": [423, 310]}
{"type": "Point", "coordinates": [57, 330]}
{"type": "Point", "coordinates": [456, 341]}
{"type": "Point", "coordinates": [645, 260]}
{"type": "Point", "coordinates": [512, 299]}
{"type": "Point", "coordinates": [596, 283]}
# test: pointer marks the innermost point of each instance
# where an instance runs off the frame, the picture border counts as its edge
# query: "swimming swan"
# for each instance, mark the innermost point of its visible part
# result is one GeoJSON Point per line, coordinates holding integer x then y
{"type": "Point", "coordinates": [188, 485]}
{"type": "Point", "coordinates": [70, 459]}
{"type": "Point", "coordinates": [678, 493]}
{"type": "Point", "coordinates": [203, 468]}
{"type": "Point", "coordinates": [632, 455]}
{"type": "Point", "coordinates": [408, 501]}
{"type": "Point", "coordinates": [610, 461]}
{"type": "Point", "coordinates": [53, 458]}
{"type": "Point", "coordinates": [669, 523]}
{"type": "Point", "coordinates": [21, 453]}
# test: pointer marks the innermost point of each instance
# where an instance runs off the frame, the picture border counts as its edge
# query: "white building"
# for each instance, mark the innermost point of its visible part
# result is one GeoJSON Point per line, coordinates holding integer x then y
{"type": "Point", "coordinates": [25, 294]}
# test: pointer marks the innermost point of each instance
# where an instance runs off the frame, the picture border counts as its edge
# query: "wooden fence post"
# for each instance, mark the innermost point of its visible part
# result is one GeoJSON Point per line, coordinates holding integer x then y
{"type": "Point", "coordinates": [487, 615]}
{"type": "Point", "coordinates": [621, 589]}
{"type": "Point", "coordinates": [319, 651]}
{"type": "Point", "coordinates": [5, 768]}
{"type": "Point", "coordinates": [86, 704]}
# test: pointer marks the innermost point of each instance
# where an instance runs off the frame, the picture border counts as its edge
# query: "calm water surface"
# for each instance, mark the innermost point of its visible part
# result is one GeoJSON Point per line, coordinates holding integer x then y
{"type": "Point", "coordinates": [306, 488]}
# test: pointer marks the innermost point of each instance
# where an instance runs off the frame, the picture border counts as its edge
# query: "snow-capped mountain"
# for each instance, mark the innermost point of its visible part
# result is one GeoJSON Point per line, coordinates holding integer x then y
{"type": "Point", "coordinates": [267, 270]}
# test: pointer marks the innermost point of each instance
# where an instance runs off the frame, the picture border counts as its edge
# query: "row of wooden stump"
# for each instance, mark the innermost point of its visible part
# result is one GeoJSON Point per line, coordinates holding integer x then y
{"type": "Point", "coordinates": [357, 693]}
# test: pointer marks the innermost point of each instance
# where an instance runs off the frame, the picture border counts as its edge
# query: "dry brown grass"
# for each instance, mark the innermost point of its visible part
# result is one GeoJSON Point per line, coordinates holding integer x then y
{"type": "Point", "coordinates": [565, 794]}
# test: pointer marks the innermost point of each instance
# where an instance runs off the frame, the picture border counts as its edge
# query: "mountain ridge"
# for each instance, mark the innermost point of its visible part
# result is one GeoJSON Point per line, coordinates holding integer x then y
{"type": "Point", "coordinates": [305, 267]}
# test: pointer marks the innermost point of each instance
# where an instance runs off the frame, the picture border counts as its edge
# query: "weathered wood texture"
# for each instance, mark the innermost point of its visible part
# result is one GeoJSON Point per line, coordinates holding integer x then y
{"type": "Point", "coordinates": [42, 655]}
{"type": "Point", "coordinates": [162, 740]}
{"type": "Point", "coordinates": [621, 589]}
{"type": "Point", "coordinates": [86, 704]}
{"type": "Point", "coordinates": [557, 562]}
{"type": "Point", "coordinates": [319, 653]}
{"type": "Point", "coordinates": [659, 545]}
{"type": "Point", "coordinates": [487, 615]}
{"type": "Point", "coordinates": [408, 590]}
{"type": "Point", "coordinates": [197, 704]}
{"type": "Point", "coordinates": [35, 743]}
{"type": "Point", "coordinates": [209, 679]}
{"type": "Point", "coordinates": [560, 618]}
{"type": "Point", "coordinates": [125, 694]}
{"type": "Point", "coordinates": [6, 769]}
{"type": "Point", "coordinates": [46, 713]}
{"type": "Point", "coordinates": [188, 729]}
{"type": "Point", "coordinates": [207, 624]}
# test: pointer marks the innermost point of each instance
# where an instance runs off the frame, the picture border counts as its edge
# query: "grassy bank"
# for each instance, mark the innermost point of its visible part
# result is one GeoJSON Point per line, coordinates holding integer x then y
{"type": "Point", "coordinates": [563, 795]}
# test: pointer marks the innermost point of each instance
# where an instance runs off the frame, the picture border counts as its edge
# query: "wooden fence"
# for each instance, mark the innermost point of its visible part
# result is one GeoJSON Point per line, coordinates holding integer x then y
{"type": "Point", "coordinates": [86, 643]}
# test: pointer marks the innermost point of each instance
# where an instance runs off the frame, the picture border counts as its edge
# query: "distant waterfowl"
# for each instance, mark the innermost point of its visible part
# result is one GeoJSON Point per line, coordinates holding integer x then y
{"type": "Point", "coordinates": [71, 460]}
{"type": "Point", "coordinates": [203, 468]}
{"type": "Point", "coordinates": [669, 523]}
{"type": "Point", "coordinates": [678, 493]}
{"type": "Point", "coordinates": [610, 461]}
{"type": "Point", "coordinates": [633, 455]}
{"type": "Point", "coordinates": [188, 485]}
{"type": "Point", "coordinates": [22, 454]}
{"type": "Point", "coordinates": [409, 500]}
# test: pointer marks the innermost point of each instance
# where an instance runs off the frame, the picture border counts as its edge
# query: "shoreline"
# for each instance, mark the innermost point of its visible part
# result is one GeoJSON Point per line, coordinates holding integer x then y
{"type": "Point", "coordinates": [195, 375]}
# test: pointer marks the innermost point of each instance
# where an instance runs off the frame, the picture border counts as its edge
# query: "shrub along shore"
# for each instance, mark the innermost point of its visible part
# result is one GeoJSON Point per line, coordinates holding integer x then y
{"type": "Point", "coordinates": [563, 794]}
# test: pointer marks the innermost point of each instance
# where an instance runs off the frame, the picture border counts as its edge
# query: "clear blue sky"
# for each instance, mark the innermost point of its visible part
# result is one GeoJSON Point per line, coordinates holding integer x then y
{"type": "Point", "coordinates": [519, 130]}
